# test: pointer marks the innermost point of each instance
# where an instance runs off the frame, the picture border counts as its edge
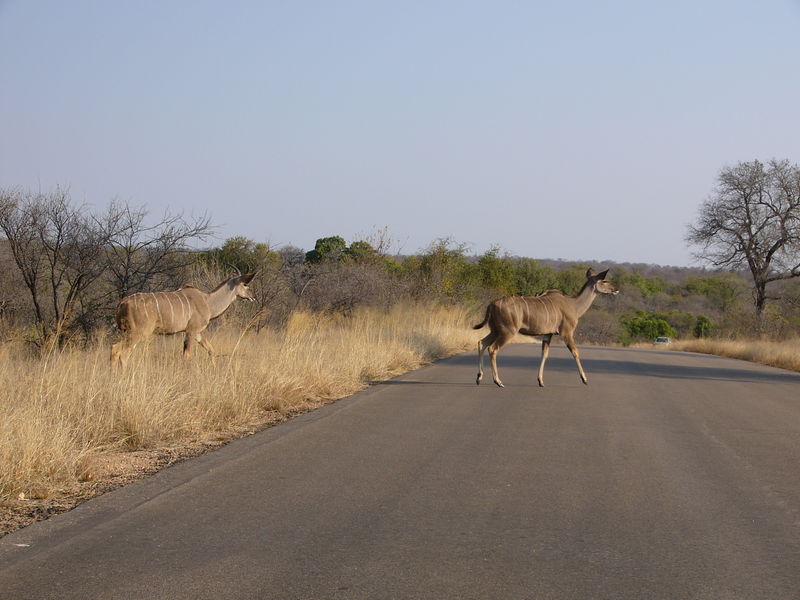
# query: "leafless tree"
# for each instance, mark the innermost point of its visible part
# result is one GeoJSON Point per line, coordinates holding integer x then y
{"type": "Point", "coordinates": [57, 248]}
{"type": "Point", "coordinates": [752, 220]}
{"type": "Point", "coordinates": [18, 217]}
{"type": "Point", "coordinates": [76, 264]}
{"type": "Point", "coordinates": [140, 251]}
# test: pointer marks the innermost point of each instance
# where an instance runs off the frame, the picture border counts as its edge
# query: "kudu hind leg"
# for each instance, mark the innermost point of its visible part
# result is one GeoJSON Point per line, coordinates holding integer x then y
{"type": "Point", "coordinates": [482, 345]}
{"type": "Point", "coordinates": [493, 349]}
{"type": "Point", "coordinates": [116, 355]}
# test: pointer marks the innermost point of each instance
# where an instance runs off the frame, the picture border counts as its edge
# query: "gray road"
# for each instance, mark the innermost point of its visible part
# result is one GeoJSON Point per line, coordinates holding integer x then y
{"type": "Point", "coordinates": [670, 476]}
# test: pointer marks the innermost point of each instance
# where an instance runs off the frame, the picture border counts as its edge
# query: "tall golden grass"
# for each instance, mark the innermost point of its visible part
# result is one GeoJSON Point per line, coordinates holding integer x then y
{"type": "Point", "coordinates": [784, 354]}
{"type": "Point", "coordinates": [59, 413]}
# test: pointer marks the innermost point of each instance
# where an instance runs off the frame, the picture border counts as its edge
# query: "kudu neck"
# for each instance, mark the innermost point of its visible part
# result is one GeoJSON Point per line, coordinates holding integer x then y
{"type": "Point", "coordinates": [585, 298]}
{"type": "Point", "coordinates": [220, 299]}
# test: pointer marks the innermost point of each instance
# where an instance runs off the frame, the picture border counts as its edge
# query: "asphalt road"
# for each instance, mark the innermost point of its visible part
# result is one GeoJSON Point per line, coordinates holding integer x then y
{"type": "Point", "coordinates": [670, 475]}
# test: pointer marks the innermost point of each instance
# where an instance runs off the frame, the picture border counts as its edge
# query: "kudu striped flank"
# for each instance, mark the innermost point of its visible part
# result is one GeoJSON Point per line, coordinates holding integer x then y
{"type": "Point", "coordinates": [549, 314]}
{"type": "Point", "coordinates": [186, 310]}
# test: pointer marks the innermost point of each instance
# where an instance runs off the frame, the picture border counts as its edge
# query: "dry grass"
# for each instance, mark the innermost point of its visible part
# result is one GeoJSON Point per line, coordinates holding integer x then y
{"type": "Point", "coordinates": [784, 354]}
{"type": "Point", "coordinates": [59, 415]}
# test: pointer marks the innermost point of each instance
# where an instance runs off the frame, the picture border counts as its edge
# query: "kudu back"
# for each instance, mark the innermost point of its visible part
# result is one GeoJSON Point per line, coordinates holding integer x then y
{"type": "Point", "coordinates": [551, 313]}
{"type": "Point", "coordinates": [186, 310]}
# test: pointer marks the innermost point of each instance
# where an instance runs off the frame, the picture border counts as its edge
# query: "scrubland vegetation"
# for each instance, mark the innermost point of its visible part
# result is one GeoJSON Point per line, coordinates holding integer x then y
{"type": "Point", "coordinates": [325, 323]}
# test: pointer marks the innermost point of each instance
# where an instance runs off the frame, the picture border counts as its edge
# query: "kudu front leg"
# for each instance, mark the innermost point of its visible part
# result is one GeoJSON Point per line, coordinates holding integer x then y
{"type": "Point", "coordinates": [574, 349]}
{"type": "Point", "coordinates": [206, 344]}
{"type": "Point", "coordinates": [545, 353]}
{"type": "Point", "coordinates": [209, 348]}
{"type": "Point", "coordinates": [188, 345]}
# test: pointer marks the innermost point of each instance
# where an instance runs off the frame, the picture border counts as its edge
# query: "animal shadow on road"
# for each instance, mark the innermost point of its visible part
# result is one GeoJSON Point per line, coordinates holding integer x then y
{"type": "Point", "coordinates": [726, 371]}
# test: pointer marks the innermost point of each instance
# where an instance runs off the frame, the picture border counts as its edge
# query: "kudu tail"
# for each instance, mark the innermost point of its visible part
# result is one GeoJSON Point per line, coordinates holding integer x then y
{"type": "Point", "coordinates": [485, 318]}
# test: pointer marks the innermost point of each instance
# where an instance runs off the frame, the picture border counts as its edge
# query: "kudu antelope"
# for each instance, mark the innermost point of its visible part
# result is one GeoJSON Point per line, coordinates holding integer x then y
{"type": "Point", "coordinates": [185, 310]}
{"type": "Point", "coordinates": [549, 314]}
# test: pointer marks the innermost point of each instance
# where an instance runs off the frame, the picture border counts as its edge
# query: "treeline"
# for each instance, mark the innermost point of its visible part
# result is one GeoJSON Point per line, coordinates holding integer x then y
{"type": "Point", "coordinates": [63, 268]}
{"type": "Point", "coordinates": [654, 301]}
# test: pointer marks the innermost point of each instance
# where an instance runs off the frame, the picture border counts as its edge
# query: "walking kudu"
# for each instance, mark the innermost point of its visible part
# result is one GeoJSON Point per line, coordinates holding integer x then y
{"type": "Point", "coordinates": [185, 310]}
{"type": "Point", "coordinates": [549, 314]}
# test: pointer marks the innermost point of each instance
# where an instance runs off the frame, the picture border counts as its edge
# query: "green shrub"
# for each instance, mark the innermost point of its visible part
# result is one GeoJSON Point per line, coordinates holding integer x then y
{"type": "Point", "coordinates": [642, 325]}
{"type": "Point", "coordinates": [702, 327]}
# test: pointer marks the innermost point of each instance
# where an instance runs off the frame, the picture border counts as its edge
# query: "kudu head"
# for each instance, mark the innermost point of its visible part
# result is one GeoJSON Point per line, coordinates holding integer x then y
{"type": "Point", "coordinates": [239, 284]}
{"type": "Point", "coordinates": [599, 283]}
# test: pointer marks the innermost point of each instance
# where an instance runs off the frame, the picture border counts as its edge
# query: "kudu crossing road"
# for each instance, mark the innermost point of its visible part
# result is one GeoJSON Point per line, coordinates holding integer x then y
{"type": "Point", "coordinates": [670, 476]}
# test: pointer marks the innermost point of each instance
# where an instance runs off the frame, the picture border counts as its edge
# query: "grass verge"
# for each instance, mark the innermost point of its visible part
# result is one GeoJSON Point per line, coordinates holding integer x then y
{"type": "Point", "coordinates": [783, 354]}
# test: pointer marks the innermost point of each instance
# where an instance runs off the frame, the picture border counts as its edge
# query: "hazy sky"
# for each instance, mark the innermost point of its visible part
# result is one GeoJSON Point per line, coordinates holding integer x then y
{"type": "Point", "coordinates": [580, 130]}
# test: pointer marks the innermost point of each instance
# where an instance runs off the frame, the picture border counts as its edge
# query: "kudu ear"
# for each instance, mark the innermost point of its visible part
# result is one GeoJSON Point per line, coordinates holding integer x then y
{"type": "Point", "coordinates": [248, 277]}
{"type": "Point", "coordinates": [590, 273]}
{"type": "Point", "coordinates": [602, 275]}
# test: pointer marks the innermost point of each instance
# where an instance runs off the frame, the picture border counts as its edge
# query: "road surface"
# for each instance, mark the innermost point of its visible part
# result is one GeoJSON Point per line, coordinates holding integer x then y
{"type": "Point", "coordinates": [670, 475]}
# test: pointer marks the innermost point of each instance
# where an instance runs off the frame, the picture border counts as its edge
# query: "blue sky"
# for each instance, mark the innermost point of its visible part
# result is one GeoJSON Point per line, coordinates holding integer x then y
{"type": "Point", "coordinates": [578, 130]}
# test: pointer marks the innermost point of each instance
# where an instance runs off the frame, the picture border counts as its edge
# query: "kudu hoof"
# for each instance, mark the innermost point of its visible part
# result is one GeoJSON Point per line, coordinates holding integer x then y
{"type": "Point", "coordinates": [541, 384]}
{"type": "Point", "coordinates": [478, 379]}
{"type": "Point", "coordinates": [499, 384]}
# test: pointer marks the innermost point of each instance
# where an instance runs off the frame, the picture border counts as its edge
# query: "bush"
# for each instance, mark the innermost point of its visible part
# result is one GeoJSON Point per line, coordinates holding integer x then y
{"type": "Point", "coordinates": [497, 274]}
{"type": "Point", "coordinates": [327, 249]}
{"type": "Point", "coordinates": [702, 327]}
{"type": "Point", "coordinates": [646, 326]}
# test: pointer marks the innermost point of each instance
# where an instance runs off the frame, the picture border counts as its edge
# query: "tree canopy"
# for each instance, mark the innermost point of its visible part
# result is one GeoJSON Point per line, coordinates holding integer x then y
{"type": "Point", "coordinates": [752, 220]}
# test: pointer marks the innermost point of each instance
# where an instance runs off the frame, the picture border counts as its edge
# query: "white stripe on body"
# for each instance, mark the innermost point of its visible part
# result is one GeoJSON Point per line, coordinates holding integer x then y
{"type": "Point", "coordinates": [188, 313]}
{"type": "Point", "coordinates": [158, 312]}
{"type": "Point", "coordinates": [546, 324]}
{"type": "Point", "coordinates": [171, 312]}
{"type": "Point", "coordinates": [553, 325]}
{"type": "Point", "coordinates": [144, 304]}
